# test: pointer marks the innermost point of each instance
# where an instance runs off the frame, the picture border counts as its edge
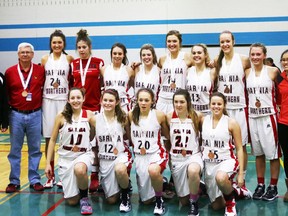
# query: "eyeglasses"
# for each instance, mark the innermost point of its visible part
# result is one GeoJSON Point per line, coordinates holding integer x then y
{"type": "Point", "coordinates": [284, 59]}
{"type": "Point", "coordinates": [25, 52]}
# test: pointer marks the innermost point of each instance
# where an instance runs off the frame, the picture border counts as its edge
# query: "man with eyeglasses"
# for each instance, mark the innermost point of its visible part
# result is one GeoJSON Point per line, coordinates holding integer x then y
{"type": "Point", "coordinates": [24, 82]}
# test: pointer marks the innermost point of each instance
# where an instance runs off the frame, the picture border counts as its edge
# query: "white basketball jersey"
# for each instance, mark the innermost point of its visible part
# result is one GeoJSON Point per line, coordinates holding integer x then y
{"type": "Point", "coordinates": [173, 70]}
{"type": "Point", "coordinates": [109, 137]}
{"type": "Point", "coordinates": [147, 134]}
{"type": "Point", "coordinates": [231, 82]}
{"type": "Point", "coordinates": [150, 80]}
{"type": "Point", "coordinates": [77, 134]}
{"type": "Point", "coordinates": [183, 137]}
{"type": "Point", "coordinates": [56, 85]}
{"type": "Point", "coordinates": [200, 87]}
{"type": "Point", "coordinates": [261, 94]}
{"type": "Point", "coordinates": [117, 80]}
{"type": "Point", "coordinates": [217, 143]}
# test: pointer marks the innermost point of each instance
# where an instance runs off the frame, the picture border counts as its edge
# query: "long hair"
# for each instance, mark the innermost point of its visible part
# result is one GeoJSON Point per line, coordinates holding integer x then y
{"type": "Point", "coordinates": [177, 34]}
{"type": "Point", "coordinates": [219, 94]}
{"type": "Point", "coordinates": [136, 110]}
{"type": "Point", "coordinates": [82, 35]}
{"type": "Point", "coordinates": [205, 49]}
{"type": "Point", "coordinates": [68, 112]}
{"type": "Point", "coordinates": [121, 46]}
{"type": "Point", "coordinates": [220, 58]}
{"type": "Point", "coordinates": [58, 33]}
{"type": "Point", "coordinates": [151, 48]}
{"type": "Point", "coordinates": [120, 114]}
{"type": "Point", "coordinates": [191, 112]}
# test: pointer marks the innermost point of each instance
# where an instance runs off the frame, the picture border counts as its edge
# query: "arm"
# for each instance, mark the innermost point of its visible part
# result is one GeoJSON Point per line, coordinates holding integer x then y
{"type": "Point", "coordinates": [44, 59]}
{"type": "Point", "coordinates": [163, 122]}
{"type": "Point", "coordinates": [51, 146]}
{"type": "Point", "coordinates": [188, 58]}
{"type": "Point", "coordinates": [235, 130]}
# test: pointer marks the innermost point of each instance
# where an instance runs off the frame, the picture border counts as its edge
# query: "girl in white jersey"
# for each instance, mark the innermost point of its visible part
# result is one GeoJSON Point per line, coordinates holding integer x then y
{"type": "Point", "coordinates": [114, 156]}
{"type": "Point", "coordinates": [221, 164]}
{"type": "Point", "coordinates": [185, 153]}
{"type": "Point", "coordinates": [147, 75]}
{"type": "Point", "coordinates": [173, 74]}
{"type": "Point", "coordinates": [55, 89]}
{"type": "Point", "coordinates": [262, 120]}
{"type": "Point", "coordinates": [230, 70]}
{"type": "Point", "coordinates": [118, 75]}
{"type": "Point", "coordinates": [200, 79]}
{"type": "Point", "coordinates": [75, 154]}
{"type": "Point", "coordinates": [150, 155]}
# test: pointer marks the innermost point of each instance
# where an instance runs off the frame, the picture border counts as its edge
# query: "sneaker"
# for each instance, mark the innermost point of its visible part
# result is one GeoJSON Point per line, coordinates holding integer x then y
{"type": "Point", "coordinates": [59, 184]}
{"type": "Point", "coordinates": [193, 209]}
{"type": "Point", "coordinates": [85, 206]}
{"type": "Point", "coordinates": [130, 186]}
{"type": "Point", "coordinates": [168, 192]}
{"type": "Point", "coordinates": [159, 207]}
{"type": "Point", "coordinates": [241, 193]}
{"type": "Point", "coordinates": [230, 209]}
{"type": "Point", "coordinates": [259, 192]}
{"type": "Point", "coordinates": [11, 188]}
{"type": "Point", "coordinates": [50, 183]}
{"type": "Point", "coordinates": [94, 182]}
{"type": "Point", "coordinates": [125, 205]}
{"type": "Point", "coordinates": [271, 193]}
{"type": "Point", "coordinates": [37, 187]}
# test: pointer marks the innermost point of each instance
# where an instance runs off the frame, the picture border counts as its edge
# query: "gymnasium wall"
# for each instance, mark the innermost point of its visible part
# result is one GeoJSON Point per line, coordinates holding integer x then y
{"type": "Point", "coordinates": [135, 22]}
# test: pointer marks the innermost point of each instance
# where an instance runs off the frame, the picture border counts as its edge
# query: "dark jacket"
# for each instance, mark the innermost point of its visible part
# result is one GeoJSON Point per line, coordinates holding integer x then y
{"type": "Point", "coordinates": [4, 107]}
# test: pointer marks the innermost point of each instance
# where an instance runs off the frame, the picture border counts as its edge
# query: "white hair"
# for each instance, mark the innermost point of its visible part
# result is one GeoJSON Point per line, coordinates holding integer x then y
{"type": "Point", "coordinates": [25, 44]}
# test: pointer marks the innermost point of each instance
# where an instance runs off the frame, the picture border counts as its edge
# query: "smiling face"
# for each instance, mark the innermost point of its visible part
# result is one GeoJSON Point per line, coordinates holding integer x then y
{"type": "Point", "coordinates": [147, 57]}
{"type": "Point", "coordinates": [117, 55]}
{"type": "Point", "coordinates": [180, 104]}
{"type": "Point", "coordinates": [76, 99]}
{"type": "Point", "coordinates": [226, 43]}
{"type": "Point", "coordinates": [173, 43]}
{"type": "Point", "coordinates": [257, 56]}
{"type": "Point", "coordinates": [25, 54]}
{"type": "Point", "coordinates": [198, 55]}
{"type": "Point", "coordinates": [108, 102]}
{"type": "Point", "coordinates": [57, 44]}
{"type": "Point", "coordinates": [217, 105]}
{"type": "Point", "coordinates": [284, 61]}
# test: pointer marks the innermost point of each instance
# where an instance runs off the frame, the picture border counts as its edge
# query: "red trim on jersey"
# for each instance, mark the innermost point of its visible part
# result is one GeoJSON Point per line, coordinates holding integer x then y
{"type": "Point", "coordinates": [275, 134]}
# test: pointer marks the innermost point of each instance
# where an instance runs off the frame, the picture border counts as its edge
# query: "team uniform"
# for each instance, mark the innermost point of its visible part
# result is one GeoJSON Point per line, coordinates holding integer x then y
{"type": "Point", "coordinates": [55, 91]}
{"type": "Point", "coordinates": [231, 83]}
{"type": "Point", "coordinates": [200, 87]}
{"type": "Point", "coordinates": [93, 81]}
{"type": "Point", "coordinates": [217, 153]}
{"type": "Point", "coordinates": [112, 150]}
{"type": "Point", "coordinates": [183, 154]}
{"type": "Point", "coordinates": [262, 114]}
{"type": "Point", "coordinates": [118, 80]}
{"type": "Point", "coordinates": [146, 138]}
{"type": "Point", "coordinates": [172, 77]}
{"type": "Point", "coordinates": [74, 147]}
{"type": "Point", "coordinates": [151, 80]}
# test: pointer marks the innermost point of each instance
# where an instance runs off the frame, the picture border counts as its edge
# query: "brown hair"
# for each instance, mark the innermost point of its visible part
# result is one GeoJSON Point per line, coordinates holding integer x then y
{"type": "Point", "coordinates": [82, 35]}
{"type": "Point", "coordinates": [151, 48]}
{"type": "Point", "coordinates": [219, 94]}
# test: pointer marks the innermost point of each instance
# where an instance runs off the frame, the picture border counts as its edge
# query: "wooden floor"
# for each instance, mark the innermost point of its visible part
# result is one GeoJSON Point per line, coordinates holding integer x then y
{"type": "Point", "coordinates": [51, 202]}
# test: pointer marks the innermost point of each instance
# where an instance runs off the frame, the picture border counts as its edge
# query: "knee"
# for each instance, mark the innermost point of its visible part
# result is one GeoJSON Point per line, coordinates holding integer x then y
{"type": "Point", "coordinates": [73, 201]}
{"type": "Point", "coordinates": [154, 170]}
{"type": "Point", "coordinates": [120, 169]}
{"type": "Point", "coordinates": [221, 177]}
{"type": "Point", "coordinates": [194, 171]}
{"type": "Point", "coordinates": [112, 199]}
{"type": "Point", "coordinates": [80, 169]}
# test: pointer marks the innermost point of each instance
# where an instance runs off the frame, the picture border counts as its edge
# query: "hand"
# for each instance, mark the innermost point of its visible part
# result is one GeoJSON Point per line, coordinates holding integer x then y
{"type": "Point", "coordinates": [240, 180]}
{"type": "Point", "coordinates": [48, 171]}
{"type": "Point", "coordinates": [4, 130]}
{"type": "Point", "coordinates": [134, 65]}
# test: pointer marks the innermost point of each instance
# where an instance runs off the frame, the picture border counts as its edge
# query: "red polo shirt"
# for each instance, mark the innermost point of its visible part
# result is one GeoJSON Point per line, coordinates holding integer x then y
{"type": "Point", "coordinates": [15, 88]}
{"type": "Point", "coordinates": [282, 98]}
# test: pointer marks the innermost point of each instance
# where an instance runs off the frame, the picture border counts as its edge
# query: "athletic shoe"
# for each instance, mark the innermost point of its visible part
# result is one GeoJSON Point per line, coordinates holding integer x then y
{"type": "Point", "coordinates": [259, 192]}
{"type": "Point", "coordinates": [94, 182]}
{"type": "Point", "coordinates": [37, 187]}
{"type": "Point", "coordinates": [271, 193]}
{"type": "Point", "coordinates": [230, 209]}
{"type": "Point", "coordinates": [241, 193]}
{"type": "Point", "coordinates": [50, 183]}
{"type": "Point", "coordinates": [59, 184]}
{"type": "Point", "coordinates": [193, 209]}
{"type": "Point", "coordinates": [130, 186]}
{"type": "Point", "coordinates": [11, 188]}
{"type": "Point", "coordinates": [168, 192]}
{"type": "Point", "coordinates": [125, 205]}
{"type": "Point", "coordinates": [159, 207]}
{"type": "Point", "coordinates": [85, 206]}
